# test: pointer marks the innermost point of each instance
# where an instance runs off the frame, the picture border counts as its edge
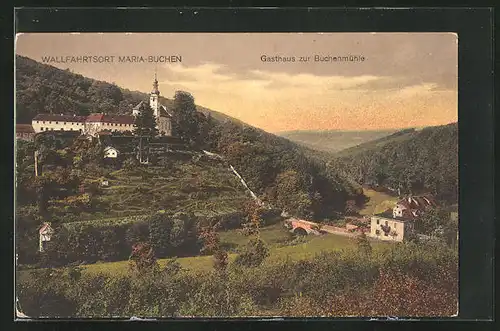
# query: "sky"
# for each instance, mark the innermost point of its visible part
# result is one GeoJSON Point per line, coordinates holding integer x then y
{"type": "Point", "coordinates": [405, 80]}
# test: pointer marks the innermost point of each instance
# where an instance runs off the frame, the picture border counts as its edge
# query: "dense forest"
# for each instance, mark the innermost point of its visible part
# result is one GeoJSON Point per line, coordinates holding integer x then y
{"type": "Point", "coordinates": [413, 161]}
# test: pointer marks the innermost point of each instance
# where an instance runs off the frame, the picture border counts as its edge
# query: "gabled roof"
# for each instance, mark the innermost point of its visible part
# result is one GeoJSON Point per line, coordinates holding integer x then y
{"type": "Point", "coordinates": [45, 227]}
{"type": "Point", "coordinates": [164, 111]}
{"type": "Point", "coordinates": [417, 202]}
{"type": "Point", "coordinates": [138, 105]}
{"type": "Point", "coordinates": [103, 118]}
{"type": "Point", "coordinates": [60, 117]}
{"type": "Point", "coordinates": [109, 148]}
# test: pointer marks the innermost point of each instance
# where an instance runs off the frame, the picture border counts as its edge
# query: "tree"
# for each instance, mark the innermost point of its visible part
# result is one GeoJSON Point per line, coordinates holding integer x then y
{"type": "Point", "coordinates": [189, 125]}
{"type": "Point", "coordinates": [351, 208]}
{"type": "Point", "coordinates": [159, 234]}
{"type": "Point", "coordinates": [252, 226]}
{"type": "Point", "coordinates": [254, 253]}
{"type": "Point", "coordinates": [363, 244]}
{"type": "Point", "coordinates": [142, 259]}
{"type": "Point", "coordinates": [433, 222]}
{"type": "Point", "coordinates": [210, 239]}
{"type": "Point", "coordinates": [220, 260]}
{"type": "Point", "coordinates": [292, 194]}
{"type": "Point", "coordinates": [145, 122]}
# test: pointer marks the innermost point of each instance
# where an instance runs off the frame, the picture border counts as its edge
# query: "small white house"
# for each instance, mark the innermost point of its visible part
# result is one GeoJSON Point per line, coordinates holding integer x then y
{"type": "Point", "coordinates": [390, 229]}
{"type": "Point", "coordinates": [110, 152]}
{"type": "Point", "coordinates": [45, 233]}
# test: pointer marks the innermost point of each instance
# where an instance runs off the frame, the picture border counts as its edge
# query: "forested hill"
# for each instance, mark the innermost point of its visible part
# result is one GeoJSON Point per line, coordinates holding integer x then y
{"type": "Point", "coordinates": [414, 160]}
{"type": "Point", "coordinates": [333, 141]}
{"type": "Point", "coordinates": [42, 88]}
{"type": "Point", "coordinates": [288, 176]}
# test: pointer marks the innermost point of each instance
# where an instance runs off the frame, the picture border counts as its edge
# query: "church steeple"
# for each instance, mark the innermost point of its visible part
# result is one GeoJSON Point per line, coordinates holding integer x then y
{"type": "Point", "coordinates": [155, 86]}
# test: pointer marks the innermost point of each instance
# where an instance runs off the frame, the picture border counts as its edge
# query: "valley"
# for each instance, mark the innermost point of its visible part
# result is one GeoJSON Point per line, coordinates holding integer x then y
{"type": "Point", "coordinates": [190, 220]}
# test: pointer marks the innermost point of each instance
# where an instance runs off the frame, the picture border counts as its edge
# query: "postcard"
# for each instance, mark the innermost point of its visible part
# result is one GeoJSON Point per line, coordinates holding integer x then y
{"type": "Point", "coordinates": [187, 175]}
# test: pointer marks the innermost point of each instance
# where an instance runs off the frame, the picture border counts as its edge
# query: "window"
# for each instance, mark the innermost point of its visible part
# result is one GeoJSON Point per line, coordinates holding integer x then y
{"type": "Point", "coordinates": [41, 128]}
{"type": "Point", "coordinates": [62, 129]}
{"type": "Point", "coordinates": [378, 221]}
{"type": "Point", "coordinates": [51, 129]}
{"type": "Point", "coordinates": [37, 122]}
{"type": "Point", "coordinates": [377, 232]}
{"type": "Point", "coordinates": [64, 123]}
{"type": "Point", "coordinates": [57, 122]}
{"type": "Point", "coordinates": [43, 122]}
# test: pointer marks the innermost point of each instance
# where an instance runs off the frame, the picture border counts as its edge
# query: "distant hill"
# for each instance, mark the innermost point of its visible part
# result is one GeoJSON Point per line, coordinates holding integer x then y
{"type": "Point", "coordinates": [400, 135]}
{"type": "Point", "coordinates": [287, 175]}
{"type": "Point", "coordinates": [414, 160]}
{"type": "Point", "coordinates": [333, 140]}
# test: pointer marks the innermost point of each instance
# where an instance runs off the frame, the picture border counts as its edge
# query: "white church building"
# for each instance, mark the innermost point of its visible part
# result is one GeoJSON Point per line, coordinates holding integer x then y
{"type": "Point", "coordinates": [95, 123]}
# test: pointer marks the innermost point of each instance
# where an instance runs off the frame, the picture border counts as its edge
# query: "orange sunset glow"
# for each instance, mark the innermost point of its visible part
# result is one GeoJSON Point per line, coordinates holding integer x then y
{"type": "Point", "coordinates": [404, 80]}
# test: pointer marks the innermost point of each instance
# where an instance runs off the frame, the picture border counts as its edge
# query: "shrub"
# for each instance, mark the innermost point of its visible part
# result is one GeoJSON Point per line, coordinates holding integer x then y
{"type": "Point", "coordinates": [142, 259]}
{"type": "Point", "coordinates": [254, 253]}
{"type": "Point", "coordinates": [130, 164]}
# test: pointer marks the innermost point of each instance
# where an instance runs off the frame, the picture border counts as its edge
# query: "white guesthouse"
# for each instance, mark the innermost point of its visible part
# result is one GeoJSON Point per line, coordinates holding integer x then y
{"type": "Point", "coordinates": [390, 229]}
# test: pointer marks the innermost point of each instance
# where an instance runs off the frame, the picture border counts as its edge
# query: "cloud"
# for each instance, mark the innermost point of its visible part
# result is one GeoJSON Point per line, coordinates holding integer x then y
{"type": "Point", "coordinates": [281, 101]}
{"type": "Point", "coordinates": [218, 79]}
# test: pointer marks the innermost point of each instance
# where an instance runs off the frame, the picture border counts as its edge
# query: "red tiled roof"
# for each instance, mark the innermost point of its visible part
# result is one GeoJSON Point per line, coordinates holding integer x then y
{"type": "Point", "coordinates": [44, 227]}
{"type": "Point", "coordinates": [24, 128]}
{"type": "Point", "coordinates": [416, 202]}
{"type": "Point", "coordinates": [61, 118]}
{"type": "Point", "coordinates": [120, 119]}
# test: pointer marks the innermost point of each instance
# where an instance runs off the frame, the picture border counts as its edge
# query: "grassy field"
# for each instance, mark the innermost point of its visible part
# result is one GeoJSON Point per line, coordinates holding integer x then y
{"type": "Point", "coordinates": [278, 239]}
{"type": "Point", "coordinates": [378, 202]}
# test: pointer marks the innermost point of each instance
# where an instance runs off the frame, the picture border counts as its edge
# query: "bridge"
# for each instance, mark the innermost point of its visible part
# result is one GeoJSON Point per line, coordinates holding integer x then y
{"type": "Point", "coordinates": [303, 227]}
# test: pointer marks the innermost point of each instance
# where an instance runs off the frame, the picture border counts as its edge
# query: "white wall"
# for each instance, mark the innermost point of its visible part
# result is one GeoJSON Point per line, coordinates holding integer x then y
{"type": "Point", "coordinates": [164, 125]}
{"type": "Point", "coordinates": [92, 128]}
{"type": "Point", "coordinates": [41, 126]}
{"type": "Point", "coordinates": [395, 225]}
{"type": "Point", "coordinates": [111, 153]}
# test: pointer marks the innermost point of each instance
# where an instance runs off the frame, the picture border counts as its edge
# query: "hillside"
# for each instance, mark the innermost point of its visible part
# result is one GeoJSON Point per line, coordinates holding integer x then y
{"type": "Point", "coordinates": [372, 144]}
{"type": "Point", "coordinates": [415, 161]}
{"type": "Point", "coordinates": [333, 140]}
{"type": "Point", "coordinates": [285, 174]}
{"type": "Point", "coordinates": [42, 88]}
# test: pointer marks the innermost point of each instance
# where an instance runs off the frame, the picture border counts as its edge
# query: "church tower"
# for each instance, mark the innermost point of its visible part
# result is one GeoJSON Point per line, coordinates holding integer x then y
{"type": "Point", "coordinates": [154, 98]}
{"type": "Point", "coordinates": [163, 117]}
